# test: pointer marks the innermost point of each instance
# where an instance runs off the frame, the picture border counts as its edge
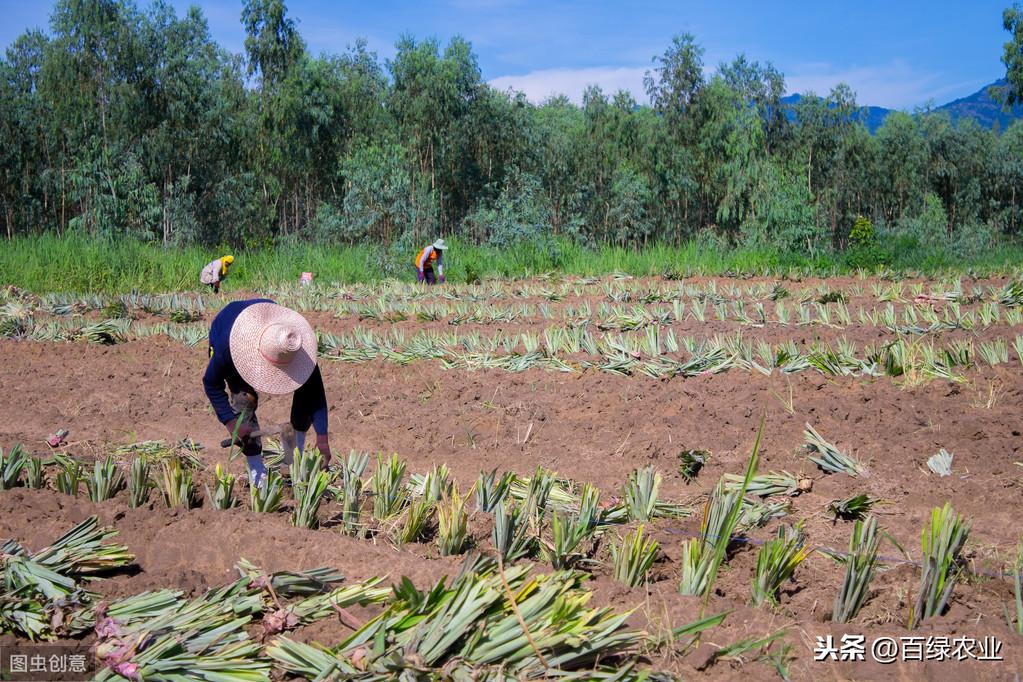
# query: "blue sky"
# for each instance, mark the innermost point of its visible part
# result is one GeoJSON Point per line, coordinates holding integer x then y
{"type": "Point", "coordinates": [896, 53]}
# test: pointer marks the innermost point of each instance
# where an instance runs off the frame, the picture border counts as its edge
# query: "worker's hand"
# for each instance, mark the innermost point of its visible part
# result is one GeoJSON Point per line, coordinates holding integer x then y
{"type": "Point", "coordinates": [420, 275]}
{"type": "Point", "coordinates": [323, 445]}
{"type": "Point", "coordinates": [245, 429]}
{"type": "Point", "coordinates": [441, 279]}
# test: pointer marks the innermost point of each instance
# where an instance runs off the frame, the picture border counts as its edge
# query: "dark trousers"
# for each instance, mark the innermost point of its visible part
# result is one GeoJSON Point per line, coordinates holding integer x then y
{"type": "Point", "coordinates": [431, 277]}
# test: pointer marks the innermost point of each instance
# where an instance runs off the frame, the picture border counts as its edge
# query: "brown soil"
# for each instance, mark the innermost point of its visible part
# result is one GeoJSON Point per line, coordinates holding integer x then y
{"type": "Point", "coordinates": [591, 427]}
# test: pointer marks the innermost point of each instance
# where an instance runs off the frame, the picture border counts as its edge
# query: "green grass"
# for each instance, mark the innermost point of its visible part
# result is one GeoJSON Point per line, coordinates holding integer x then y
{"type": "Point", "coordinates": [85, 264]}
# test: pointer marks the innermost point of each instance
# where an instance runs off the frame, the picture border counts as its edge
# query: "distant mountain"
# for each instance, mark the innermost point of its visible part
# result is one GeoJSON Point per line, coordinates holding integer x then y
{"type": "Point", "coordinates": [979, 106]}
{"type": "Point", "coordinates": [982, 107]}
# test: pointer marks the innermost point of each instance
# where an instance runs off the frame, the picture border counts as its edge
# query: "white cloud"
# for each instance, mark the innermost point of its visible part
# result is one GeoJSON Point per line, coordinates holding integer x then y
{"type": "Point", "coordinates": [896, 85]}
{"type": "Point", "coordinates": [539, 85]}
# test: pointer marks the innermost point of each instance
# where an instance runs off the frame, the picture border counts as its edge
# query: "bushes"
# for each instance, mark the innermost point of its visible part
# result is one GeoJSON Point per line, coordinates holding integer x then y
{"type": "Point", "coordinates": [864, 249]}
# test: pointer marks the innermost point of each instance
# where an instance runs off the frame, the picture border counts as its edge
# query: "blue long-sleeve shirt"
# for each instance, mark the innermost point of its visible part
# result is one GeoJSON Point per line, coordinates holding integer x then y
{"type": "Point", "coordinates": [309, 403]}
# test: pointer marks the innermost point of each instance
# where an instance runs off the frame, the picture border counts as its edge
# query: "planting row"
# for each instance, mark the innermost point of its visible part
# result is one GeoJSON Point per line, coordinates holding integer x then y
{"type": "Point", "coordinates": [556, 521]}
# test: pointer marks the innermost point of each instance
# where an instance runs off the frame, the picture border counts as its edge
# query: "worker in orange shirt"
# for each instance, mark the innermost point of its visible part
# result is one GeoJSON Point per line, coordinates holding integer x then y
{"type": "Point", "coordinates": [432, 255]}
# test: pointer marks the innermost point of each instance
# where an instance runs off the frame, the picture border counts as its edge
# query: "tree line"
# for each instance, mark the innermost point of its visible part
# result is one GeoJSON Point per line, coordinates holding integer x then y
{"type": "Point", "coordinates": [122, 121]}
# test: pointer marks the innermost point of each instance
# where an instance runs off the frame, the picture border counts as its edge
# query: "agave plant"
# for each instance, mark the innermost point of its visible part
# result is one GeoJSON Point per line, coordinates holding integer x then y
{"type": "Point", "coordinates": [388, 488]}
{"type": "Point", "coordinates": [266, 498]}
{"type": "Point", "coordinates": [176, 484]}
{"type": "Point", "coordinates": [34, 476]}
{"type": "Point", "coordinates": [351, 493]}
{"type": "Point", "coordinates": [633, 558]}
{"type": "Point", "coordinates": [1017, 590]}
{"type": "Point", "coordinates": [641, 493]}
{"type": "Point", "coordinates": [139, 483]}
{"type": "Point", "coordinates": [568, 530]}
{"type": "Point", "coordinates": [11, 465]}
{"type": "Point", "coordinates": [703, 556]}
{"type": "Point", "coordinates": [777, 562]}
{"type": "Point", "coordinates": [942, 543]}
{"type": "Point", "coordinates": [105, 481]}
{"type": "Point", "coordinates": [308, 499]}
{"type": "Point", "coordinates": [830, 459]}
{"type": "Point", "coordinates": [305, 467]}
{"type": "Point", "coordinates": [435, 485]}
{"type": "Point", "coordinates": [511, 535]}
{"type": "Point", "coordinates": [222, 494]}
{"type": "Point", "coordinates": [859, 570]}
{"type": "Point", "coordinates": [69, 476]}
{"type": "Point", "coordinates": [452, 522]}
{"type": "Point", "coordinates": [490, 490]}
{"type": "Point", "coordinates": [855, 507]}
{"type": "Point", "coordinates": [417, 521]}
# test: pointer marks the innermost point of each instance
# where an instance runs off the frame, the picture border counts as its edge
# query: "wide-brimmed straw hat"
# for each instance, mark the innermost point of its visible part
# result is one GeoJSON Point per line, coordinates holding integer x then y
{"type": "Point", "coordinates": [273, 348]}
{"type": "Point", "coordinates": [440, 245]}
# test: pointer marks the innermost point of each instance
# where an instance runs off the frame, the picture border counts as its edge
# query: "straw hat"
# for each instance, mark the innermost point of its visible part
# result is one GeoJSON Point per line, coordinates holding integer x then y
{"type": "Point", "coordinates": [273, 348]}
{"type": "Point", "coordinates": [440, 245]}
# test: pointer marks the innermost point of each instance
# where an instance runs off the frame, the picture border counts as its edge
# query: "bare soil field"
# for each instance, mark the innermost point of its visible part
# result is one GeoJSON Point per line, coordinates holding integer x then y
{"type": "Point", "coordinates": [594, 418]}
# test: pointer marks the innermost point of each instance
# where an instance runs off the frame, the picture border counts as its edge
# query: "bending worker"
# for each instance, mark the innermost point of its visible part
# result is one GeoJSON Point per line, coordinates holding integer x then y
{"type": "Point", "coordinates": [434, 253]}
{"type": "Point", "coordinates": [215, 272]}
{"type": "Point", "coordinates": [257, 347]}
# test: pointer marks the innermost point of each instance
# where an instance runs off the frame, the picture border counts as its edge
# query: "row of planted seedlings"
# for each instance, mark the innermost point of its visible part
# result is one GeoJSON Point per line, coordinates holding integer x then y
{"type": "Point", "coordinates": [654, 352]}
{"type": "Point", "coordinates": [645, 352]}
{"type": "Point", "coordinates": [827, 308]}
{"type": "Point", "coordinates": [537, 625]}
{"type": "Point", "coordinates": [618, 289]}
{"type": "Point", "coordinates": [820, 306]}
{"type": "Point", "coordinates": [118, 330]}
{"type": "Point", "coordinates": [547, 518]}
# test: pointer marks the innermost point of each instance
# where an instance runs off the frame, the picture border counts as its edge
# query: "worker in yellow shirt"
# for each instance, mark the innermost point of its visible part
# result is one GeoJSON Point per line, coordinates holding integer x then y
{"type": "Point", "coordinates": [215, 272]}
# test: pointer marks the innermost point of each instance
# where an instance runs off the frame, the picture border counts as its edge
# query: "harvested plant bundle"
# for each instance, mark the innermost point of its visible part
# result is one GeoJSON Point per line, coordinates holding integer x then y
{"type": "Point", "coordinates": [941, 463]}
{"type": "Point", "coordinates": [765, 485]}
{"type": "Point", "coordinates": [440, 633]}
{"type": "Point", "coordinates": [851, 508]}
{"type": "Point", "coordinates": [830, 459]}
